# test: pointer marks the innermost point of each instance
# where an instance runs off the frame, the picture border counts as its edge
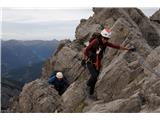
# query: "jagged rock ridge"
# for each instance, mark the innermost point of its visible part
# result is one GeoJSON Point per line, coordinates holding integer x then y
{"type": "Point", "coordinates": [128, 82]}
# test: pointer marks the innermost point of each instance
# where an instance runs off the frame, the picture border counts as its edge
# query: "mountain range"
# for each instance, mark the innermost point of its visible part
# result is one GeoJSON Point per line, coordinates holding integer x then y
{"type": "Point", "coordinates": [21, 62]}
{"type": "Point", "coordinates": [16, 53]}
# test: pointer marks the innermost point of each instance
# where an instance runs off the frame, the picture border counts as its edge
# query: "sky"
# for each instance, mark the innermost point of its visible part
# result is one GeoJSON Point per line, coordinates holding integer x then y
{"type": "Point", "coordinates": [45, 24]}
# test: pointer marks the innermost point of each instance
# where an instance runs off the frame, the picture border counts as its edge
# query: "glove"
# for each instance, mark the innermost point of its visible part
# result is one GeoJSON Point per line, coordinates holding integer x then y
{"type": "Point", "coordinates": [83, 63]}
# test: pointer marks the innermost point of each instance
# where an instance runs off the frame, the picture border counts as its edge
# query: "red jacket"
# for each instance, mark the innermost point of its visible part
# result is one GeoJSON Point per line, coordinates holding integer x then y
{"type": "Point", "coordinates": [96, 45]}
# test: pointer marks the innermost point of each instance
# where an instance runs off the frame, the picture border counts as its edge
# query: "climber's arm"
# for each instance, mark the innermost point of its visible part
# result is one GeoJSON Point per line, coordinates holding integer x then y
{"type": "Point", "coordinates": [116, 46]}
{"type": "Point", "coordinates": [51, 81]}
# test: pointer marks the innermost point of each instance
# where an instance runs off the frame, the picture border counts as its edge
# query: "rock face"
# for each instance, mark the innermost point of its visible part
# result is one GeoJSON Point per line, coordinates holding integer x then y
{"type": "Point", "coordinates": [37, 96]}
{"type": "Point", "coordinates": [156, 17]}
{"type": "Point", "coordinates": [128, 81]}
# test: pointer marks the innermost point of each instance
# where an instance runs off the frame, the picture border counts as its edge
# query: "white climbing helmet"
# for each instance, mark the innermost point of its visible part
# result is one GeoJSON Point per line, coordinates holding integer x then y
{"type": "Point", "coordinates": [59, 75]}
{"type": "Point", "coordinates": [106, 33]}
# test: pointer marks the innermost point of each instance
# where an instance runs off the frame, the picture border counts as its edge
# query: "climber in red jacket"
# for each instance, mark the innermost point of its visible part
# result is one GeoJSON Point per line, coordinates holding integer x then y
{"type": "Point", "coordinates": [94, 53]}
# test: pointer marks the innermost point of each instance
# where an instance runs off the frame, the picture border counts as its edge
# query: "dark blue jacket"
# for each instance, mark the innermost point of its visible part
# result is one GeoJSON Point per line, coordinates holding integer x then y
{"type": "Point", "coordinates": [59, 85]}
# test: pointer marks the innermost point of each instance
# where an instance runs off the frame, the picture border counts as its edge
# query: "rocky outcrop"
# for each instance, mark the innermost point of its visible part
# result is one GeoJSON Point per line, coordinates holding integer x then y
{"type": "Point", "coordinates": [36, 96]}
{"type": "Point", "coordinates": [156, 17]}
{"type": "Point", "coordinates": [132, 104]}
{"type": "Point", "coordinates": [155, 20]}
{"type": "Point", "coordinates": [128, 81]}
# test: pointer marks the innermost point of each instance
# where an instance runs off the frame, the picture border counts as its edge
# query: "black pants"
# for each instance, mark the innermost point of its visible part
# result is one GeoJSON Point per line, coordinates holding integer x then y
{"type": "Point", "coordinates": [93, 79]}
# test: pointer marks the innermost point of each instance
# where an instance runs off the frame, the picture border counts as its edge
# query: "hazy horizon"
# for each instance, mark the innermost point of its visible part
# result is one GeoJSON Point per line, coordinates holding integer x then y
{"type": "Point", "coordinates": [46, 24]}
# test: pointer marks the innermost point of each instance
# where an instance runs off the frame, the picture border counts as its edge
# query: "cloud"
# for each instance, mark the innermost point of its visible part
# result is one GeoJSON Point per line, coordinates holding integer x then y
{"type": "Point", "coordinates": [149, 11]}
{"type": "Point", "coordinates": [45, 24]}
{"type": "Point", "coordinates": [44, 31]}
{"type": "Point", "coordinates": [44, 15]}
{"type": "Point", "coordinates": [42, 24]}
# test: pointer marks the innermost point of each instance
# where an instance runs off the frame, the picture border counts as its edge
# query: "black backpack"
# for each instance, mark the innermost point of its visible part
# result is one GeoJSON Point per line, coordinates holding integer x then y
{"type": "Point", "coordinates": [95, 36]}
